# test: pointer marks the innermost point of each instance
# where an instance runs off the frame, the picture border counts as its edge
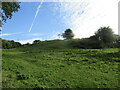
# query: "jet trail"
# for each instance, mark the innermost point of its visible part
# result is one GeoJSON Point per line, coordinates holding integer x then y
{"type": "Point", "coordinates": [38, 8]}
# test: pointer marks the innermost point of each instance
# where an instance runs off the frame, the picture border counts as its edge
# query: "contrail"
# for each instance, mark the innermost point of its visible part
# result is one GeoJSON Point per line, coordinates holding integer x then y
{"type": "Point", "coordinates": [35, 15]}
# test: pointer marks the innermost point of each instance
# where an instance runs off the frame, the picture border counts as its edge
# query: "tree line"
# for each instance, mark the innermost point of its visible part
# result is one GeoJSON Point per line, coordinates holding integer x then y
{"type": "Point", "coordinates": [104, 37]}
{"type": "Point", "coordinates": [7, 44]}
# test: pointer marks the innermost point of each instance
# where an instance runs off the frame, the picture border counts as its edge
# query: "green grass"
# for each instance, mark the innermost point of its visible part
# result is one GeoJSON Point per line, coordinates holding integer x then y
{"type": "Point", "coordinates": [38, 66]}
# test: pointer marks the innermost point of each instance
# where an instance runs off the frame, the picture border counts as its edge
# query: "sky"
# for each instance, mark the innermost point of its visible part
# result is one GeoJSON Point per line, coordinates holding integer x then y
{"type": "Point", "coordinates": [45, 20]}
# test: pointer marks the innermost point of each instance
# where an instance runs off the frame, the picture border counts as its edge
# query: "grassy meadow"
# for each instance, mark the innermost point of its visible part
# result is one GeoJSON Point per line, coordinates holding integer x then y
{"type": "Point", "coordinates": [38, 66]}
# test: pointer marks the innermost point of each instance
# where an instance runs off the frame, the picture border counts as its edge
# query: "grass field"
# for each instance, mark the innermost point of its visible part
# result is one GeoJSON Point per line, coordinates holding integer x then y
{"type": "Point", "coordinates": [32, 67]}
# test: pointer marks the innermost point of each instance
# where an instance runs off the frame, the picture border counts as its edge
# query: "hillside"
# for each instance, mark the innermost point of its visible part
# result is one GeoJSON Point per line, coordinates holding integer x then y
{"type": "Point", "coordinates": [51, 44]}
{"type": "Point", "coordinates": [52, 64]}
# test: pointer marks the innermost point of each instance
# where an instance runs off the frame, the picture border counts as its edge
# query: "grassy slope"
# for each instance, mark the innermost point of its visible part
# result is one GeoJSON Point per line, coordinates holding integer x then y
{"type": "Point", "coordinates": [55, 65]}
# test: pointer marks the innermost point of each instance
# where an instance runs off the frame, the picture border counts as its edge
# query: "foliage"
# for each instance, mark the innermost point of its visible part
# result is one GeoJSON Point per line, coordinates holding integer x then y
{"type": "Point", "coordinates": [105, 36]}
{"type": "Point", "coordinates": [117, 41]}
{"type": "Point", "coordinates": [36, 41]}
{"type": "Point", "coordinates": [93, 42]}
{"type": "Point", "coordinates": [68, 34]}
{"type": "Point", "coordinates": [86, 43]}
{"type": "Point", "coordinates": [6, 44]}
{"type": "Point", "coordinates": [27, 44]}
{"type": "Point", "coordinates": [8, 8]}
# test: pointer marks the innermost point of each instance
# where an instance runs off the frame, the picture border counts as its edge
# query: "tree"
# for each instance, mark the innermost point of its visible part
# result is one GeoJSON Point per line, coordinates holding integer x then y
{"type": "Point", "coordinates": [36, 41]}
{"type": "Point", "coordinates": [68, 34]}
{"type": "Point", "coordinates": [7, 10]}
{"type": "Point", "coordinates": [105, 35]}
{"type": "Point", "coordinates": [117, 41]}
{"type": "Point", "coordinates": [6, 44]}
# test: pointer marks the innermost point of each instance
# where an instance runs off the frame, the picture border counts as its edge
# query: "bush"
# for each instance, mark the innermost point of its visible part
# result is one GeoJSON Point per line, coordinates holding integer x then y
{"type": "Point", "coordinates": [36, 41]}
{"type": "Point", "coordinates": [86, 43]}
{"type": "Point", "coordinates": [6, 44]}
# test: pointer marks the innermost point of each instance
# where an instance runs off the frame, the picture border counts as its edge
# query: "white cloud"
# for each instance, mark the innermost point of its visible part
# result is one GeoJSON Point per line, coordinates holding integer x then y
{"type": "Point", "coordinates": [87, 16]}
{"type": "Point", "coordinates": [55, 35]}
{"type": "Point", "coordinates": [34, 34]}
{"type": "Point", "coordinates": [29, 40]}
{"type": "Point", "coordinates": [8, 34]}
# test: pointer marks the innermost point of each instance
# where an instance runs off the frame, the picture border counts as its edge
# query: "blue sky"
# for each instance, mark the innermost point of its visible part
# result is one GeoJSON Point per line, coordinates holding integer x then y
{"type": "Point", "coordinates": [83, 17]}
{"type": "Point", "coordinates": [45, 26]}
